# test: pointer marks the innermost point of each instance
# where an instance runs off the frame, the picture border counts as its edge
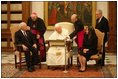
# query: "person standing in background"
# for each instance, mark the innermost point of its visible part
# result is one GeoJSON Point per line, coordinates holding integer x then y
{"type": "Point", "coordinates": [103, 26]}
{"type": "Point", "coordinates": [38, 28]}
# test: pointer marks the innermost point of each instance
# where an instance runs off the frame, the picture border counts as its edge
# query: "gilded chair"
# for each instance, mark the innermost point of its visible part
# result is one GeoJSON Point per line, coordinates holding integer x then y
{"type": "Point", "coordinates": [58, 54]}
{"type": "Point", "coordinates": [18, 53]}
{"type": "Point", "coordinates": [98, 56]}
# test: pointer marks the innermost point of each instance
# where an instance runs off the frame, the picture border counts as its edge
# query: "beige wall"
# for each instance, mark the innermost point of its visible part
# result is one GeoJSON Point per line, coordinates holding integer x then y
{"type": "Point", "coordinates": [38, 7]}
{"type": "Point", "coordinates": [104, 7]}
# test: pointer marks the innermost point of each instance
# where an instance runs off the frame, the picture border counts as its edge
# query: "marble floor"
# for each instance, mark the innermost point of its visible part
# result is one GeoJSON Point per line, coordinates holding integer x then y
{"type": "Point", "coordinates": [109, 59]}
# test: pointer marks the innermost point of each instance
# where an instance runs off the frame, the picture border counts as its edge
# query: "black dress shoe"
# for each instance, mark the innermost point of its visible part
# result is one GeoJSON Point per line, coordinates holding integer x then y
{"type": "Point", "coordinates": [54, 68]}
{"type": "Point", "coordinates": [33, 68]}
{"type": "Point", "coordinates": [30, 69]}
{"type": "Point", "coordinates": [62, 69]}
{"type": "Point", "coordinates": [36, 63]}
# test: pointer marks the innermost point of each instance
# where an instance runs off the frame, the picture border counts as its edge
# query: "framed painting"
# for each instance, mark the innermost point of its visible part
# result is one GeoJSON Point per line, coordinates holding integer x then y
{"type": "Point", "coordinates": [56, 11]}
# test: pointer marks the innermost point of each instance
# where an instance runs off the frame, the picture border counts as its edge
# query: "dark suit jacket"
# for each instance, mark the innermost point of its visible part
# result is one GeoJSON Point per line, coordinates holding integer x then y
{"type": "Point", "coordinates": [90, 43]}
{"type": "Point", "coordinates": [21, 39]}
{"type": "Point", "coordinates": [102, 25]}
{"type": "Point", "coordinates": [78, 27]}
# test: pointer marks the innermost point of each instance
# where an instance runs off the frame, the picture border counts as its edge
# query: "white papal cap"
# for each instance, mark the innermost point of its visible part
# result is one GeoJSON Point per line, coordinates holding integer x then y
{"type": "Point", "coordinates": [57, 25]}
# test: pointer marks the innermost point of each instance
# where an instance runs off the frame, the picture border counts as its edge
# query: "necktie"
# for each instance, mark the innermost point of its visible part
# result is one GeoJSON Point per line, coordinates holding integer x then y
{"type": "Point", "coordinates": [99, 20]}
{"type": "Point", "coordinates": [25, 34]}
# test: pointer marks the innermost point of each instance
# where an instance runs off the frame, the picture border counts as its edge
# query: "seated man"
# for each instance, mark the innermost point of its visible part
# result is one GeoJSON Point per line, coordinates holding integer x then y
{"type": "Point", "coordinates": [25, 38]}
{"type": "Point", "coordinates": [56, 55]}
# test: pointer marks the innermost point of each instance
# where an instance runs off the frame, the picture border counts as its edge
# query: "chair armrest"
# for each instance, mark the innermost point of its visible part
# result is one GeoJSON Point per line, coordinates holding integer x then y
{"type": "Point", "coordinates": [99, 53]}
{"type": "Point", "coordinates": [47, 41]}
{"type": "Point", "coordinates": [19, 47]}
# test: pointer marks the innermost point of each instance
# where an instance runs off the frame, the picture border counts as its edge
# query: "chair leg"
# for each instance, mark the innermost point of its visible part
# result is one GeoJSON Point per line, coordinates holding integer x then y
{"type": "Point", "coordinates": [86, 64]}
{"type": "Point", "coordinates": [40, 62]}
{"type": "Point", "coordinates": [68, 63]}
{"type": "Point", "coordinates": [15, 61]}
{"type": "Point", "coordinates": [101, 65]}
{"type": "Point", "coordinates": [77, 62]}
{"type": "Point", "coordinates": [71, 60]}
{"type": "Point", "coordinates": [48, 67]}
{"type": "Point", "coordinates": [40, 65]}
{"type": "Point", "coordinates": [97, 65]}
{"type": "Point", "coordinates": [20, 58]}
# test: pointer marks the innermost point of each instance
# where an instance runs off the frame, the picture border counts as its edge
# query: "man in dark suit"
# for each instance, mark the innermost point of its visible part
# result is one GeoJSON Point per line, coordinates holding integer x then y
{"type": "Point", "coordinates": [25, 38]}
{"type": "Point", "coordinates": [103, 26]}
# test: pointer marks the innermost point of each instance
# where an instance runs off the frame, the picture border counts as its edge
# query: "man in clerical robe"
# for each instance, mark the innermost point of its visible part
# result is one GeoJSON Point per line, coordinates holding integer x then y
{"type": "Point", "coordinates": [56, 55]}
{"type": "Point", "coordinates": [38, 28]}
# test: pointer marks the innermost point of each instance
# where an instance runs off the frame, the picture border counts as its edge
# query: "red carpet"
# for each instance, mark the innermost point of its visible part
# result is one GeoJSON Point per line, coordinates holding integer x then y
{"type": "Point", "coordinates": [108, 71]}
{"type": "Point", "coordinates": [91, 72]}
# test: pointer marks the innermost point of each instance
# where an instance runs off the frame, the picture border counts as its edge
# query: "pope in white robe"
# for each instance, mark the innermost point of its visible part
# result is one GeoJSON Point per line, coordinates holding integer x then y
{"type": "Point", "coordinates": [59, 34]}
{"type": "Point", "coordinates": [56, 55]}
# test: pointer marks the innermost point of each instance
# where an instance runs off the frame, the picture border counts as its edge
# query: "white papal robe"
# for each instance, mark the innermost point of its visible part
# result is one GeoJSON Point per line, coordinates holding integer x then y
{"type": "Point", "coordinates": [56, 55]}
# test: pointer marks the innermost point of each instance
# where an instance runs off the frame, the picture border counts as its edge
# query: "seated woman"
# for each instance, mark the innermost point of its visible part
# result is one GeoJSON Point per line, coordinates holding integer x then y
{"type": "Point", "coordinates": [89, 47]}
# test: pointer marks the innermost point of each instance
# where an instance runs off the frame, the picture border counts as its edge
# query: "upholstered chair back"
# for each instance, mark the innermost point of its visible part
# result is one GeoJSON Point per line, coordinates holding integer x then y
{"type": "Point", "coordinates": [14, 29]}
{"type": "Point", "coordinates": [100, 36]}
{"type": "Point", "coordinates": [67, 25]}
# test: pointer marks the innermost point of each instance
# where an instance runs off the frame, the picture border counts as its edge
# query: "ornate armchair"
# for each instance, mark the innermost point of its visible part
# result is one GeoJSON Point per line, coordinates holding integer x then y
{"type": "Point", "coordinates": [56, 53]}
{"type": "Point", "coordinates": [98, 56]}
{"type": "Point", "coordinates": [67, 25]}
{"type": "Point", "coordinates": [18, 53]}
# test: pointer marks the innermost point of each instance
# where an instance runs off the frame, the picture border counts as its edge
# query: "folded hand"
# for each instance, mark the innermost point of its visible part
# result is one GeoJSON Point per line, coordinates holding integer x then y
{"type": "Point", "coordinates": [35, 46]}
{"type": "Point", "coordinates": [24, 47]}
{"type": "Point", "coordinates": [38, 36]}
{"type": "Point", "coordinates": [85, 50]}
